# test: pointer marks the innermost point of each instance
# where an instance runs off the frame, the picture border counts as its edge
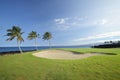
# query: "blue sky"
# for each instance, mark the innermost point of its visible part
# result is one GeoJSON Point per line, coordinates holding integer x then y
{"type": "Point", "coordinates": [71, 22]}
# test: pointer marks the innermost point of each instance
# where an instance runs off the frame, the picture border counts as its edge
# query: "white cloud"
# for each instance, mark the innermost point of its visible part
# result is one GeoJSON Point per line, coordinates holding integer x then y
{"type": "Point", "coordinates": [104, 21]}
{"type": "Point", "coordinates": [67, 23]}
{"type": "Point", "coordinates": [63, 27]}
{"type": "Point", "coordinates": [60, 21]}
{"type": "Point", "coordinates": [78, 22]}
{"type": "Point", "coordinates": [100, 36]}
{"type": "Point", "coordinates": [101, 22]}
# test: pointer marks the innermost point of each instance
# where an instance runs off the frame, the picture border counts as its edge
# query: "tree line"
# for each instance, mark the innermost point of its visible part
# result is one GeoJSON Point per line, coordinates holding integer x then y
{"type": "Point", "coordinates": [108, 44]}
{"type": "Point", "coordinates": [16, 33]}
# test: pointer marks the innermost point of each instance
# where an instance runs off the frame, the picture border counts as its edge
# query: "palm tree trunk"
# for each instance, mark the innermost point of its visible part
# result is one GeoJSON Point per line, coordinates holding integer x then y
{"type": "Point", "coordinates": [19, 47]}
{"type": "Point", "coordinates": [36, 44]}
{"type": "Point", "coordinates": [49, 44]}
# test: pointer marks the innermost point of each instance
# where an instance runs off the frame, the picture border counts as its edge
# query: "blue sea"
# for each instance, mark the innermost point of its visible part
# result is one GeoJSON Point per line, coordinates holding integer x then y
{"type": "Point", "coordinates": [8, 49]}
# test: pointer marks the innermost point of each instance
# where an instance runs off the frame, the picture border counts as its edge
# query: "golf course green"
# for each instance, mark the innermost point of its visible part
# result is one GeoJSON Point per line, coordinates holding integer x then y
{"type": "Point", "coordinates": [28, 67]}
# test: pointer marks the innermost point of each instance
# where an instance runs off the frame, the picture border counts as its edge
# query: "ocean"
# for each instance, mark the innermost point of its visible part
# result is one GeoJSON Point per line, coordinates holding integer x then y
{"type": "Point", "coordinates": [8, 49]}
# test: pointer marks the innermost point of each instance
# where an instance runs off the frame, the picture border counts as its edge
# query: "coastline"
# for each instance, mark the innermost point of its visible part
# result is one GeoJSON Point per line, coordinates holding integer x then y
{"type": "Point", "coordinates": [13, 52]}
{"type": "Point", "coordinates": [32, 48]}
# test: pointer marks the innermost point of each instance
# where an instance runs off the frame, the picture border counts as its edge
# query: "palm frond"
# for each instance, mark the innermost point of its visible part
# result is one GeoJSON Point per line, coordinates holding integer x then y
{"type": "Point", "coordinates": [15, 32]}
{"type": "Point", "coordinates": [10, 38]}
{"type": "Point", "coordinates": [22, 33]}
{"type": "Point", "coordinates": [33, 35]}
{"type": "Point", "coordinates": [9, 34]}
{"type": "Point", "coordinates": [9, 30]}
{"type": "Point", "coordinates": [47, 36]}
{"type": "Point", "coordinates": [19, 38]}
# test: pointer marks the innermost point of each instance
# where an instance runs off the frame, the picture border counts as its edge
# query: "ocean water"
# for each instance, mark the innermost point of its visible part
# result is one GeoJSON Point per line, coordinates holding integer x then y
{"type": "Point", "coordinates": [8, 49]}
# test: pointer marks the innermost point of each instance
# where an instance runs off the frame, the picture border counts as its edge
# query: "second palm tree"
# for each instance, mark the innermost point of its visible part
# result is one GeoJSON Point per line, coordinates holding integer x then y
{"type": "Point", "coordinates": [33, 35]}
{"type": "Point", "coordinates": [47, 36]}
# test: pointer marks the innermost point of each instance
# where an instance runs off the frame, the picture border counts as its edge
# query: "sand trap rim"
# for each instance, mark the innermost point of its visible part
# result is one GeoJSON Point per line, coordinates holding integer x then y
{"type": "Point", "coordinates": [67, 55]}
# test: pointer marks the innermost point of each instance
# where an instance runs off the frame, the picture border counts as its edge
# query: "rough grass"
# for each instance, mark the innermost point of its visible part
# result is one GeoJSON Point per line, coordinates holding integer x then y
{"type": "Point", "coordinates": [28, 67]}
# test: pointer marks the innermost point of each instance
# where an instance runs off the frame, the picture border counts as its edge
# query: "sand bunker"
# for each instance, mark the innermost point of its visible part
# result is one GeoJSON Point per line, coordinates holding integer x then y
{"type": "Point", "coordinates": [62, 54]}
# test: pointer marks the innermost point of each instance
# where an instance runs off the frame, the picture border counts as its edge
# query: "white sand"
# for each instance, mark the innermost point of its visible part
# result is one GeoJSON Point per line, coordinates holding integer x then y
{"type": "Point", "coordinates": [62, 54]}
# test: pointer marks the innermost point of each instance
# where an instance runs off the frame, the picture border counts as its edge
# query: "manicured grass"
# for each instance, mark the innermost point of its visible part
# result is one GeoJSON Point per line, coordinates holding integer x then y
{"type": "Point", "coordinates": [28, 67]}
{"type": "Point", "coordinates": [88, 50]}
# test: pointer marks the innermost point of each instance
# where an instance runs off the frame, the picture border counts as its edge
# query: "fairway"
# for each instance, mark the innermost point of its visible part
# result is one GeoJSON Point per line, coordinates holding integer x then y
{"type": "Point", "coordinates": [28, 67]}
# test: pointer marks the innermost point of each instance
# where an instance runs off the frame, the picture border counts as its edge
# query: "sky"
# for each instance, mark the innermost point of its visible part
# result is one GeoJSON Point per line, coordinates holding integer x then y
{"type": "Point", "coordinates": [71, 22]}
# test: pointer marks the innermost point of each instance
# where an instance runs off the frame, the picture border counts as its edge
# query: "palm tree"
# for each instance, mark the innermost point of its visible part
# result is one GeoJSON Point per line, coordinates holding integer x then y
{"type": "Point", "coordinates": [111, 42]}
{"type": "Point", "coordinates": [47, 36]}
{"type": "Point", "coordinates": [33, 35]}
{"type": "Point", "coordinates": [13, 33]}
{"type": "Point", "coordinates": [106, 42]}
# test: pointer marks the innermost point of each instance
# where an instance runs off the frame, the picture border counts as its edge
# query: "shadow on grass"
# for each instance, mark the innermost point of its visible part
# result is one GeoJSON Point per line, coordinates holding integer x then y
{"type": "Point", "coordinates": [74, 52]}
{"type": "Point", "coordinates": [104, 53]}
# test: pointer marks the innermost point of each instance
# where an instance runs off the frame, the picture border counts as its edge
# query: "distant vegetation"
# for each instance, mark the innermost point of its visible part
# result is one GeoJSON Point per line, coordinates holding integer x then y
{"type": "Point", "coordinates": [108, 44]}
